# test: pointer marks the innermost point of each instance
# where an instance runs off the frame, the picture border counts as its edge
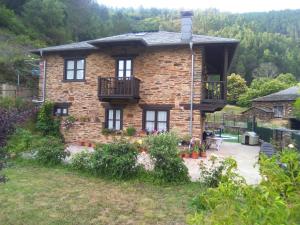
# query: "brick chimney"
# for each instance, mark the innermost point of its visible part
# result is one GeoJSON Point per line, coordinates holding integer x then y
{"type": "Point", "coordinates": [186, 25]}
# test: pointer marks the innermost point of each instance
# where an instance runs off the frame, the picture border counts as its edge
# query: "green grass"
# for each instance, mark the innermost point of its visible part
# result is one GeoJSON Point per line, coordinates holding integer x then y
{"type": "Point", "coordinates": [40, 195]}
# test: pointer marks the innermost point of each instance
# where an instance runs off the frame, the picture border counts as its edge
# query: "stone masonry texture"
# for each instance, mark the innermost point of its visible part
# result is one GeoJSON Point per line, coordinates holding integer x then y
{"type": "Point", "coordinates": [165, 74]}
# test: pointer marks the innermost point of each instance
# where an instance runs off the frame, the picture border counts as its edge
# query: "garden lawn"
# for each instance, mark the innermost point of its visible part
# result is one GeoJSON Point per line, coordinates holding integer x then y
{"type": "Point", "coordinates": [40, 195]}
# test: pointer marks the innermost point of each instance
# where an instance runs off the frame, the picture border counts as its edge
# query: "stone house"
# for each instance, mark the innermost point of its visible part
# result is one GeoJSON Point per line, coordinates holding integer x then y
{"type": "Point", "coordinates": [278, 105]}
{"type": "Point", "coordinates": [150, 81]}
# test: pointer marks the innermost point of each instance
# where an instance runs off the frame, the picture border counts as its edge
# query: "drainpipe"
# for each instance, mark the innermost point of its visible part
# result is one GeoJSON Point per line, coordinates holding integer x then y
{"type": "Point", "coordinates": [192, 89]}
{"type": "Point", "coordinates": [44, 81]}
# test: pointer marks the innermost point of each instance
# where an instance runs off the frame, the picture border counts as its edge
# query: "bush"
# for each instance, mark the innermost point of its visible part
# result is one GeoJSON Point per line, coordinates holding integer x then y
{"type": "Point", "coordinates": [274, 201]}
{"type": "Point", "coordinates": [117, 160]}
{"type": "Point", "coordinates": [49, 150]}
{"type": "Point", "coordinates": [20, 141]}
{"type": "Point", "coordinates": [46, 122]}
{"type": "Point", "coordinates": [10, 117]}
{"type": "Point", "coordinates": [168, 166]}
{"type": "Point", "coordinates": [212, 176]}
{"type": "Point", "coordinates": [130, 131]}
{"type": "Point", "coordinates": [14, 103]}
{"type": "Point", "coordinates": [81, 161]}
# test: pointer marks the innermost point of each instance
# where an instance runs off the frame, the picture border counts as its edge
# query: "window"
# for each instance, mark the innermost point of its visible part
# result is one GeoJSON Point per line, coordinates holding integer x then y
{"type": "Point", "coordinates": [61, 110]}
{"type": "Point", "coordinates": [156, 120]}
{"type": "Point", "coordinates": [114, 119]}
{"type": "Point", "coordinates": [74, 69]}
{"type": "Point", "coordinates": [278, 111]}
{"type": "Point", "coordinates": [124, 68]}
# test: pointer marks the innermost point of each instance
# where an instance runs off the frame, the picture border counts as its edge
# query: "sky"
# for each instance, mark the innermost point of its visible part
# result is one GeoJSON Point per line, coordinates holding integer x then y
{"type": "Point", "coordinates": [235, 6]}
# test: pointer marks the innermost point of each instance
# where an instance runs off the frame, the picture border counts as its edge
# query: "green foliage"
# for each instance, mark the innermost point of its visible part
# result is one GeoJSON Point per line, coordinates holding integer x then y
{"type": "Point", "coordinates": [116, 160]}
{"type": "Point", "coordinates": [46, 122]}
{"type": "Point", "coordinates": [106, 131]}
{"type": "Point", "coordinates": [265, 86]}
{"type": "Point", "coordinates": [130, 131]}
{"type": "Point", "coordinates": [49, 150]}
{"type": "Point", "coordinates": [236, 85]}
{"type": "Point", "coordinates": [274, 201]}
{"type": "Point", "coordinates": [212, 176]}
{"type": "Point", "coordinates": [69, 122]}
{"type": "Point", "coordinates": [296, 109]}
{"type": "Point", "coordinates": [50, 29]}
{"type": "Point", "coordinates": [18, 103]}
{"type": "Point", "coordinates": [168, 166]}
{"type": "Point", "coordinates": [268, 41]}
{"type": "Point", "coordinates": [20, 141]}
{"type": "Point", "coordinates": [81, 161]}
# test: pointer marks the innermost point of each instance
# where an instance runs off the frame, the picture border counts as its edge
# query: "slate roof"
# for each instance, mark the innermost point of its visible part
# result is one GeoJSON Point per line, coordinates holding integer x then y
{"type": "Point", "coordinates": [160, 38]}
{"type": "Point", "coordinates": [290, 94]}
{"type": "Point", "coordinates": [264, 109]}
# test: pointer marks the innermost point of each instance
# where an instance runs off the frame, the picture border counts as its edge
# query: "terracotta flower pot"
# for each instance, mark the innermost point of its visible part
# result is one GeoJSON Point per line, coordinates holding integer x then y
{"type": "Point", "coordinates": [82, 143]}
{"type": "Point", "coordinates": [186, 155]}
{"type": "Point", "coordinates": [195, 155]}
{"type": "Point", "coordinates": [203, 154]}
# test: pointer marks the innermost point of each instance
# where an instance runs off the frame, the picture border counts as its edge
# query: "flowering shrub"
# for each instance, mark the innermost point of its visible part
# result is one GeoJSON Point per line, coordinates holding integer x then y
{"type": "Point", "coordinates": [69, 122]}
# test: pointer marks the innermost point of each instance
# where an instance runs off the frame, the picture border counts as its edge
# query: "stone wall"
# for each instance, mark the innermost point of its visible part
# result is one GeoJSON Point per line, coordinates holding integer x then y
{"type": "Point", "coordinates": [165, 74]}
{"type": "Point", "coordinates": [258, 113]}
{"type": "Point", "coordinates": [287, 106]}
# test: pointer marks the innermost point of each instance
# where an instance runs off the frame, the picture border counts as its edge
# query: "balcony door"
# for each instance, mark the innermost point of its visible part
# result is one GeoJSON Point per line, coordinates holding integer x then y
{"type": "Point", "coordinates": [124, 69]}
{"type": "Point", "coordinates": [124, 76]}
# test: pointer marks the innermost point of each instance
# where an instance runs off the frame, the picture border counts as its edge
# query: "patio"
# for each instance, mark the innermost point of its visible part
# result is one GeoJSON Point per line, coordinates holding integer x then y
{"type": "Point", "coordinates": [246, 157]}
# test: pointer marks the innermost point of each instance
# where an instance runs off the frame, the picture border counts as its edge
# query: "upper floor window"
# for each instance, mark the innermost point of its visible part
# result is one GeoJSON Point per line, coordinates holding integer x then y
{"type": "Point", "coordinates": [74, 69]}
{"type": "Point", "coordinates": [278, 111]}
{"type": "Point", "coordinates": [124, 68]}
{"type": "Point", "coordinates": [156, 120]}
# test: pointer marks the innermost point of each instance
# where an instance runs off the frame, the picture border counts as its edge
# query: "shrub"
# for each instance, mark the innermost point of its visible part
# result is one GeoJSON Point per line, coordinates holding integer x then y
{"type": "Point", "coordinates": [81, 161]}
{"type": "Point", "coordinates": [117, 160]}
{"type": "Point", "coordinates": [9, 117]}
{"type": "Point", "coordinates": [274, 201]}
{"type": "Point", "coordinates": [20, 141]}
{"type": "Point", "coordinates": [168, 166]}
{"type": "Point", "coordinates": [211, 176]}
{"type": "Point", "coordinates": [14, 103]}
{"type": "Point", "coordinates": [2, 164]}
{"type": "Point", "coordinates": [46, 122]}
{"type": "Point", "coordinates": [49, 150]}
{"type": "Point", "coordinates": [130, 131]}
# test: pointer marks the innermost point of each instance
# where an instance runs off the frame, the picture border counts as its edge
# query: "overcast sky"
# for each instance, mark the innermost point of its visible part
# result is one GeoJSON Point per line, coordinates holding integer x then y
{"type": "Point", "coordinates": [223, 5]}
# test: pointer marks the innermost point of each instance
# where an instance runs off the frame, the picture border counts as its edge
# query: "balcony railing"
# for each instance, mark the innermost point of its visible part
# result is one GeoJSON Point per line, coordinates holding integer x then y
{"type": "Point", "coordinates": [112, 88]}
{"type": "Point", "coordinates": [213, 91]}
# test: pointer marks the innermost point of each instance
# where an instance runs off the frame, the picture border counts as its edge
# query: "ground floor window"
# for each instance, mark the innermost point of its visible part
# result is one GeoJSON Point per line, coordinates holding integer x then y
{"type": "Point", "coordinates": [61, 109]}
{"type": "Point", "coordinates": [278, 111]}
{"type": "Point", "coordinates": [156, 120]}
{"type": "Point", "coordinates": [114, 119]}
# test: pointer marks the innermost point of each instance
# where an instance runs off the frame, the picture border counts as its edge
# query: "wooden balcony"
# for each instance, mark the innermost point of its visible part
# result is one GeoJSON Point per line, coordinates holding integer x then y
{"type": "Point", "coordinates": [116, 89]}
{"type": "Point", "coordinates": [213, 96]}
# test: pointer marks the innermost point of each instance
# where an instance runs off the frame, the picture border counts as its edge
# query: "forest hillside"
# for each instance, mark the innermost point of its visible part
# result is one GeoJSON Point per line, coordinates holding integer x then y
{"type": "Point", "coordinates": [269, 41]}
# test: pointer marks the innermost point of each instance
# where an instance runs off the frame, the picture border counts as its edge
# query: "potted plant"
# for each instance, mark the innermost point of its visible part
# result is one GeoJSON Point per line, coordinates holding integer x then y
{"type": "Point", "coordinates": [186, 140]}
{"type": "Point", "coordinates": [195, 152]}
{"type": "Point", "coordinates": [186, 153]}
{"type": "Point", "coordinates": [203, 151]}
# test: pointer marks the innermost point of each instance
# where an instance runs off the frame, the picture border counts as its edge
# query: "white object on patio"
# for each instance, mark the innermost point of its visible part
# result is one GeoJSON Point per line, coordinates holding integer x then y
{"type": "Point", "coordinates": [215, 141]}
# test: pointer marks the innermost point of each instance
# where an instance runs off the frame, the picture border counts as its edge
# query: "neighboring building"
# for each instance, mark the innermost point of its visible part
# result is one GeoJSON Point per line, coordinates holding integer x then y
{"type": "Point", "coordinates": [276, 105]}
{"type": "Point", "coordinates": [146, 80]}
